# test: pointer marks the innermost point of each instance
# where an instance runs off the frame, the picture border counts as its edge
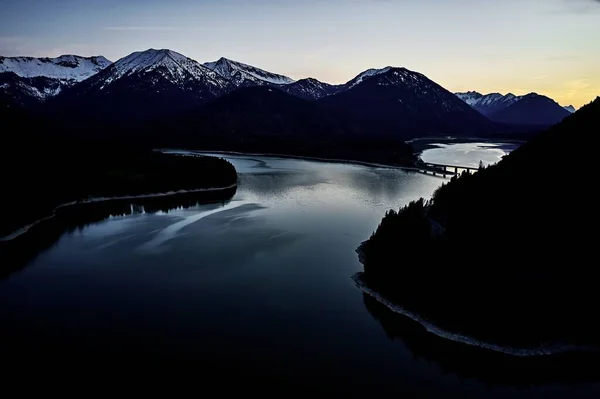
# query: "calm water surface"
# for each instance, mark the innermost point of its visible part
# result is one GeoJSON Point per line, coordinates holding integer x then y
{"type": "Point", "coordinates": [467, 154]}
{"type": "Point", "coordinates": [259, 286]}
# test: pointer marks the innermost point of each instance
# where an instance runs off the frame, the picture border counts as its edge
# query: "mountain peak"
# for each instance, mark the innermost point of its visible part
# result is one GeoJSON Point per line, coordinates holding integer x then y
{"type": "Point", "coordinates": [310, 89]}
{"type": "Point", "coordinates": [165, 64]}
{"type": "Point", "coordinates": [151, 59]}
{"type": "Point", "coordinates": [531, 109]}
{"type": "Point", "coordinates": [243, 74]}
{"type": "Point", "coordinates": [367, 74]}
{"type": "Point", "coordinates": [490, 103]}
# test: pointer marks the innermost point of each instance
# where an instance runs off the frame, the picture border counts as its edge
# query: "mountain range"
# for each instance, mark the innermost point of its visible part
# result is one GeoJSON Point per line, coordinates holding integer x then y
{"type": "Point", "coordinates": [32, 80]}
{"type": "Point", "coordinates": [529, 109]}
{"type": "Point", "coordinates": [147, 89]}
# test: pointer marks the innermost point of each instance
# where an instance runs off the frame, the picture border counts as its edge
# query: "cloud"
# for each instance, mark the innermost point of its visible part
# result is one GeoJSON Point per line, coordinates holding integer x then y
{"type": "Point", "coordinates": [141, 28]}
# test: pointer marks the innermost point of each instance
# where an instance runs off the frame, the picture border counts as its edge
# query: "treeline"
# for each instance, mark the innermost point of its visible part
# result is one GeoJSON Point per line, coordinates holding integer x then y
{"type": "Point", "coordinates": [42, 168]}
{"type": "Point", "coordinates": [504, 253]}
{"type": "Point", "coordinates": [264, 120]}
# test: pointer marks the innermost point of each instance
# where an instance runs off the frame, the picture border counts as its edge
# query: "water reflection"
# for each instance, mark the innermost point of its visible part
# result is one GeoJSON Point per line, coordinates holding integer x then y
{"type": "Point", "coordinates": [492, 368]}
{"type": "Point", "coordinates": [17, 253]}
{"type": "Point", "coordinates": [467, 154]}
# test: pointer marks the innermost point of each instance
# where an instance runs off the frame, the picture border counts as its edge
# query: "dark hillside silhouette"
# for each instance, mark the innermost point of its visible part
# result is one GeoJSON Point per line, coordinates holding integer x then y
{"type": "Point", "coordinates": [405, 104]}
{"type": "Point", "coordinates": [42, 168]}
{"type": "Point", "coordinates": [532, 109]}
{"type": "Point", "coordinates": [503, 254]}
{"type": "Point", "coordinates": [267, 120]}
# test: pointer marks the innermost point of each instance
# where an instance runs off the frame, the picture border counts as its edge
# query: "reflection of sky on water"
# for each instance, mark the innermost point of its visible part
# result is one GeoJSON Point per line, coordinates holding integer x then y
{"type": "Point", "coordinates": [264, 279]}
{"type": "Point", "coordinates": [467, 154]}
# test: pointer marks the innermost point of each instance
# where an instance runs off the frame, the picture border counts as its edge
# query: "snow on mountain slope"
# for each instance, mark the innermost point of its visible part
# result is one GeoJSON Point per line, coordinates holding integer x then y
{"type": "Point", "coordinates": [144, 84]}
{"type": "Point", "coordinates": [25, 92]}
{"type": "Point", "coordinates": [310, 89]}
{"type": "Point", "coordinates": [66, 67]}
{"type": "Point", "coordinates": [174, 67]}
{"type": "Point", "coordinates": [470, 97]}
{"type": "Point", "coordinates": [366, 74]}
{"type": "Point", "coordinates": [245, 75]}
{"type": "Point", "coordinates": [487, 104]}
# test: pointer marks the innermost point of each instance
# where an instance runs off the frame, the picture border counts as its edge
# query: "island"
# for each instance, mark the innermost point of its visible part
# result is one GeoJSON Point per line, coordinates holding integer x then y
{"type": "Point", "coordinates": [502, 258]}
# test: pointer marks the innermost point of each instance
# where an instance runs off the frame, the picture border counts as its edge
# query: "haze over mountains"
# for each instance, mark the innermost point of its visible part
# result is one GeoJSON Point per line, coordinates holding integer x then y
{"type": "Point", "coordinates": [150, 86]}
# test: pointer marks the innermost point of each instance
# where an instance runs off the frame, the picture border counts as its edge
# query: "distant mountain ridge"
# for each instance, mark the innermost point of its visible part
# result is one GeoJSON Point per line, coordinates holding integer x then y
{"type": "Point", "coordinates": [30, 80]}
{"type": "Point", "coordinates": [311, 89]}
{"type": "Point", "coordinates": [242, 74]}
{"type": "Point", "coordinates": [143, 85]}
{"type": "Point", "coordinates": [487, 104]}
{"type": "Point", "coordinates": [404, 103]}
{"type": "Point", "coordinates": [388, 103]}
{"type": "Point", "coordinates": [65, 67]}
{"type": "Point", "coordinates": [511, 109]}
{"type": "Point", "coordinates": [391, 102]}
{"type": "Point", "coordinates": [532, 109]}
{"type": "Point", "coordinates": [72, 69]}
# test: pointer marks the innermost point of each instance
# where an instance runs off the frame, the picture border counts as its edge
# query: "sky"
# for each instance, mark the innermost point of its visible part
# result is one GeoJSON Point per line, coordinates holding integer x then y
{"type": "Point", "coordinates": [551, 47]}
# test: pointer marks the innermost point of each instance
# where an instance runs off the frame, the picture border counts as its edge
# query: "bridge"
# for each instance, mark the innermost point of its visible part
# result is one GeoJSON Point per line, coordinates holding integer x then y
{"type": "Point", "coordinates": [441, 169]}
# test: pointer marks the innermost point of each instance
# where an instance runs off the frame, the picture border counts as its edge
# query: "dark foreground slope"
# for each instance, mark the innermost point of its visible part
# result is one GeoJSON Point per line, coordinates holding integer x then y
{"type": "Point", "coordinates": [505, 254]}
{"type": "Point", "coordinates": [41, 169]}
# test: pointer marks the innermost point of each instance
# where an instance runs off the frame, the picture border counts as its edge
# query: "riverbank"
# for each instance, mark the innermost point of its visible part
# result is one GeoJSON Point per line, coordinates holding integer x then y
{"type": "Point", "coordinates": [44, 180]}
{"type": "Point", "coordinates": [423, 143]}
{"type": "Point", "coordinates": [283, 156]}
{"type": "Point", "coordinates": [19, 232]}
{"type": "Point", "coordinates": [511, 264]}
{"type": "Point", "coordinates": [431, 327]}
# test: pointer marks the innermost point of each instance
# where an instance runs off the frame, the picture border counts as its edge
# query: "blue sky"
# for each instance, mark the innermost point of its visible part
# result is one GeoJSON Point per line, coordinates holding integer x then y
{"type": "Point", "coordinates": [548, 46]}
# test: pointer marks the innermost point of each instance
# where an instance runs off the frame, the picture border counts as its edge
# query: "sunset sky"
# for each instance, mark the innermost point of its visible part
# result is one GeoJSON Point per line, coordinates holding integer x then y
{"type": "Point", "coordinates": [548, 46]}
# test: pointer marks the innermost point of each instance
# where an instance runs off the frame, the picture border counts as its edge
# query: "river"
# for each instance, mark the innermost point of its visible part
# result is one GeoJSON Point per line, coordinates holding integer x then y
{"type": "Point", "coordinates": [258, 287]}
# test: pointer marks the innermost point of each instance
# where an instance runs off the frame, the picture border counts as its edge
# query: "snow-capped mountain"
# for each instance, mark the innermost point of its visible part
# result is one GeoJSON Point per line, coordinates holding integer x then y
{"type": "Point", "coordinates": [310, 89]}
{"type": "Point", "coordinates": [364, 75]}
{"type": "Point", "coordinates": [493, 104]}
{"type": "Point", "coordinates": [65, 67]}
{"type": "Point", "coordinates": [33, 80]}
{"type": "Point", "coordinates": [487, 104]}
{"type": "Point", "coordinates": [401, 103]}
{"type": "Point", "coordinates": [245, 75]}
{"type": "Point", "coordinates": [169, 65]}
{"type": "Point", "coordinates": [145, 84]}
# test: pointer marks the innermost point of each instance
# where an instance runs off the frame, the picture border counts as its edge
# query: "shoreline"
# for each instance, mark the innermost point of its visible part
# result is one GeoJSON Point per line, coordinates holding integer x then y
{"type": "Point", "coordinates": [432, 328]}
{"type": "Point", "coordinates": [469, 140]}
{"type": "Point", "coordinates": [22, 230]}
{"type": "Point", "coordinates": [284, 156]}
